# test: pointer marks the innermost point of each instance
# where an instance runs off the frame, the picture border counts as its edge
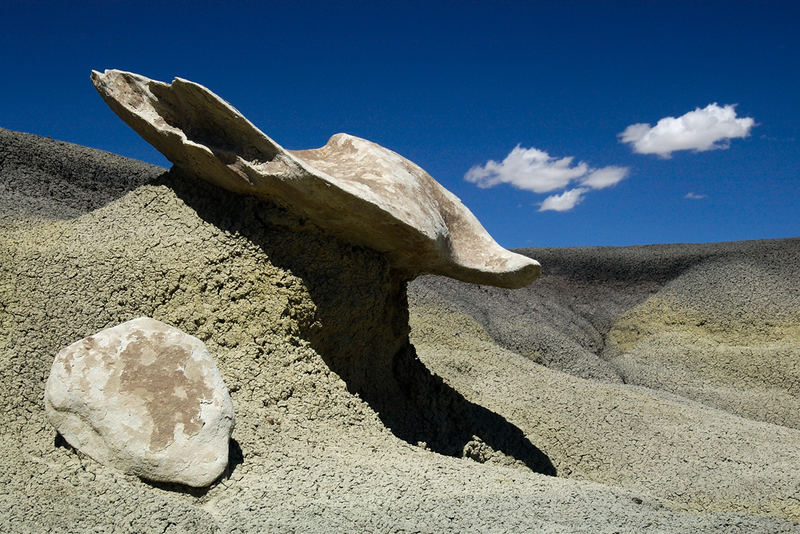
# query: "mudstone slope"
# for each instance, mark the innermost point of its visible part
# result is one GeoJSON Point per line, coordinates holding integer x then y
{"type": "Point", "coordinates": [342, 423]}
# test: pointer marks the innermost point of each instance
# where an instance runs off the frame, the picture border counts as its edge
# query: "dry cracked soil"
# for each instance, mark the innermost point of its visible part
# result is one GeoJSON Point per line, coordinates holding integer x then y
{"type": "Point", "coordinates": [635, 389]}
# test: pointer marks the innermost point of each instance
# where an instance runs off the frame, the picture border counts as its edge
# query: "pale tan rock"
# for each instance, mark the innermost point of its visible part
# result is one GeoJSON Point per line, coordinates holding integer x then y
{"type": "Point", "coordinates": [353, 188]}
{"type": "Point", "coordinates": [145, 398]}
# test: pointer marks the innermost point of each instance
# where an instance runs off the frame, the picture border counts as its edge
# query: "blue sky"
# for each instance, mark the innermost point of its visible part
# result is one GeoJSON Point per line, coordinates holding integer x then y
{"type": "Point", "coordinates": [452, 86]}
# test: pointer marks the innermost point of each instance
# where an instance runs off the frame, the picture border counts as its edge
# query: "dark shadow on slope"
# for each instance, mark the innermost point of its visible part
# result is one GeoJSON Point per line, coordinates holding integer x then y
{"type": "Point", "coordinates": [450, 424]}
{"type": "Point", "coordinates": [60, 442]}
{"type": "Point", "coordinates": [235, 458]}
{"type": "Point", "coordinates": [360, 329]}
{"type": "Point", "coordinates": [415, 404]}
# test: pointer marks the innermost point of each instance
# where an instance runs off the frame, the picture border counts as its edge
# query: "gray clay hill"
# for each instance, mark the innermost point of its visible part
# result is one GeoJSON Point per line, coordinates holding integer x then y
{"type": "Point", "coordinates": [636, 389]}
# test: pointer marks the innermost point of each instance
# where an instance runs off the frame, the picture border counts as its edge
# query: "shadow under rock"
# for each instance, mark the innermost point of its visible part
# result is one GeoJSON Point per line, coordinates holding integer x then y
{"type": "Point", "coordinates": [60, 442]}
{"type": "Point", "coordinates": [439, 416]}
{"type": "Point", "coordinates": [235, 459]}
{"type": "Point", "coordinates": [360, 329]}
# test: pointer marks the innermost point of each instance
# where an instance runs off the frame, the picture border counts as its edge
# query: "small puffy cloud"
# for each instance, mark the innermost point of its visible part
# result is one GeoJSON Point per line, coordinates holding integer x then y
{"type": "Point", "coordinates": [704, 129]}
{"type": "Point", "coordinates": [605, 177]}
{"type": "Point", "coordinates": [694, 196]}
{"type": "Point", "coordinates": [529, 169]}
{"type": "Point", "coordinates": [565, 201]}
{"type": "Point", "coordinates": [535, 170]}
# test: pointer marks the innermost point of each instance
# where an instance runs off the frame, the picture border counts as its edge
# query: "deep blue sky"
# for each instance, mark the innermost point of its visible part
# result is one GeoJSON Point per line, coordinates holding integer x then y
{"type": "Point", "coordinates": [452, 85]}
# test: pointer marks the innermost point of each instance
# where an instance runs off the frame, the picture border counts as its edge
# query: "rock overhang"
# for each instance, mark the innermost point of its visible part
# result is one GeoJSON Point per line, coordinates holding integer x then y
{"type": "Point", "coordinates": [355, 189]}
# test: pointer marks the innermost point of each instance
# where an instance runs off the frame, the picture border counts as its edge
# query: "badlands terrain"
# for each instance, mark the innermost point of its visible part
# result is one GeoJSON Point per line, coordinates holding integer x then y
{"type": "Point", "coordinates": [636, 389]}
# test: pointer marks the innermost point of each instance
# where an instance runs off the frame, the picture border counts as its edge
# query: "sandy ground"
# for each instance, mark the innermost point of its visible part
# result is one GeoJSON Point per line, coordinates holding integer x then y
{"type": "Point", "coordinates": [658, 384]}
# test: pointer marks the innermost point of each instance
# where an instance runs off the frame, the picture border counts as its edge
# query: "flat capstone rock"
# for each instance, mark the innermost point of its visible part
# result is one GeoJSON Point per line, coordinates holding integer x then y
{"type": "Point", "coordinates": [359, 191]}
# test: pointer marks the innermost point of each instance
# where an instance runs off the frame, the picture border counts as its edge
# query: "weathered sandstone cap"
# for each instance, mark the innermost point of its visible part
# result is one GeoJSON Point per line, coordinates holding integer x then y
{"type": "Point", "coordinates": [360, 191]}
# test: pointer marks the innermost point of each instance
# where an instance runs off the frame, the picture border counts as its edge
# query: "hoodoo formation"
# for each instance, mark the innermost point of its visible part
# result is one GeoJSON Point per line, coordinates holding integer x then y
{"type": "Point", "coordinates": [344, 425]}
{"type": "Point", "coordinates": [351, 187]}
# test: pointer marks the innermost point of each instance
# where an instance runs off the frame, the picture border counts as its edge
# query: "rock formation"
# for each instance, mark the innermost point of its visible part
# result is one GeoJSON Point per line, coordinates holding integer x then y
{"type": "Point", "coordinates": [145, 398]}
{"type": "Point", "coordinates": [353, 188]}
{"type": "Point", "coordinates": [311, 334]}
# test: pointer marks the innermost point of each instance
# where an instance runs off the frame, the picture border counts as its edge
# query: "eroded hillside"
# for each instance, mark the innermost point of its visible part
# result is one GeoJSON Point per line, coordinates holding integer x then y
{"type": "Point", "coordinates": [340, 427]}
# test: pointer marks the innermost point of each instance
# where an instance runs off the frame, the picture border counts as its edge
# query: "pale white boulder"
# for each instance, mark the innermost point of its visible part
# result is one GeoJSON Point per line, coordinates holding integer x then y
{"type": "Point", "coordinates": [146, 398]}
{"type": "Point", "coordinates": [351, 187]}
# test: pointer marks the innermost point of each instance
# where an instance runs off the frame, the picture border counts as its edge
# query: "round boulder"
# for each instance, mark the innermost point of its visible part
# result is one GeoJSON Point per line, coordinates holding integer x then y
{"type": "Point", "coordinates": [145, 398]}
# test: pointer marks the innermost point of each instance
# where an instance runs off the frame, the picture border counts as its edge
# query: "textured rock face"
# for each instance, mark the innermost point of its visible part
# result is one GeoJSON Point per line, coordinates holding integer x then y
{"type": "Point", "coordinates": [145, 398]}
{"type": "Point", "coordinates": [356, 189]}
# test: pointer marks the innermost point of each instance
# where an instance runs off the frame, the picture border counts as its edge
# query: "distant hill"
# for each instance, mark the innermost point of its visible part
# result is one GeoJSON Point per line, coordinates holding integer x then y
{"type": "Point", "coordinates": [718, 323]}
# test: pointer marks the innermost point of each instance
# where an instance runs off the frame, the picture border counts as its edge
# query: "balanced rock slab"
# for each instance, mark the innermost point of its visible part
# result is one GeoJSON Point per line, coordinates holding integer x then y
{"type": "Point", "coordinates": [146, 398]}
{"type": "Point", "coordinates": [358, 190]}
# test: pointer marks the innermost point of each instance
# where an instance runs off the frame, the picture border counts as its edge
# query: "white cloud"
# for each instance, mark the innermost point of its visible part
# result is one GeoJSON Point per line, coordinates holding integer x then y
{"type": "Point", "coordinates": [565, 201]}
{"type": "Point", "coordinates": [605, 177]}
{"type": "Point", "coordinates": [529, 169]}
{"type": "Point", "coordinates": [694, 196]}
{"type": "Point", "coordinates": [535, 170]}
{"type": "Point", "coordinates": [704, 129]}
